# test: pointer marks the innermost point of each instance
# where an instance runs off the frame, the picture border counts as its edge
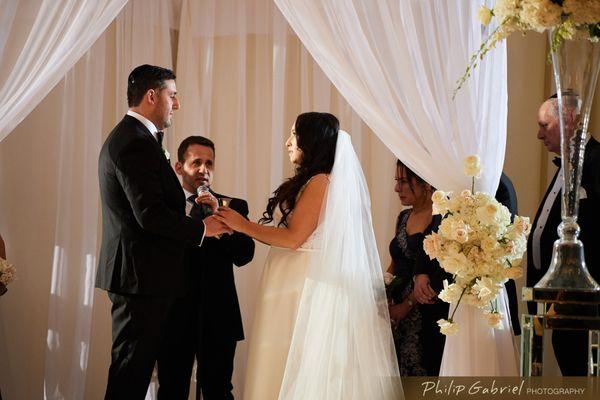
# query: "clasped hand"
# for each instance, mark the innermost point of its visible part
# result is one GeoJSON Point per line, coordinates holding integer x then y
{"type": "Point", "coordinates": [231, 218]}
{"type": "Point", "coordinates": [213, 227]}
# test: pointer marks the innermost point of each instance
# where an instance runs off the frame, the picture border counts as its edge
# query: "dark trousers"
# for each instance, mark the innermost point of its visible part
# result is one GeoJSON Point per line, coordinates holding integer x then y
{"type": "Point", "coordinates": [214, 357]}
{"type": "Point", "coordinates": [571, 351]}
{"type": "Point", "coordinates": [149, 330]}
{"type": "Point", "coordinates": [432, 339]}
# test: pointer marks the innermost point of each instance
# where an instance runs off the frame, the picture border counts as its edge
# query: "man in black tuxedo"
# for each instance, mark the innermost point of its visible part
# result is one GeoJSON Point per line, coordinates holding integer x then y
{"type": "Point", "coordinates": [144, 236]}
{"type": "Point", "coordinates": [570, 347]}
{"type": "Point", "coordinates": [507, 196]}
{"type": "Point", "coordinates": [219, 322]}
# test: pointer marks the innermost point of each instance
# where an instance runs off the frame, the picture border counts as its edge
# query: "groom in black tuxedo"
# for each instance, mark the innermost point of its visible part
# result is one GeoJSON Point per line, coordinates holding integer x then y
{"type": "Point", "coordinates": [144, 236]}
{"type": "Point", "coordinates": [216, 307]}
{"type": "Point", "coordinates": [570, 347]}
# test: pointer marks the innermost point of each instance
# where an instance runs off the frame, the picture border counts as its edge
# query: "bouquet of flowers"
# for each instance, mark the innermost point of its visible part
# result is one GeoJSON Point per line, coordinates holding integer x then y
{"type": "Point", "coordinates": [395, 285]}
{"type": "Point", "coordinates": [479, 245]}
{"type": "Point", "coordinates": [7, 274]}
{"type": "Point", "coordinates": [571, 19]}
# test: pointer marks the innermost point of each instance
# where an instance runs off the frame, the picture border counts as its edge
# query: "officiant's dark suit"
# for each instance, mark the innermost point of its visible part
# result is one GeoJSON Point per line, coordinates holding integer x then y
{"type": "Point", "coordinates": [570, 347]}
{"type": "Point", "coordinates": [217, 311]}
{"type": "Point", "coordinates": [144, 236]}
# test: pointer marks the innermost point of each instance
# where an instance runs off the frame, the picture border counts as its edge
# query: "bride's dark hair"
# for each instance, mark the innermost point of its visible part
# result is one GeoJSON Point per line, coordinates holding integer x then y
{"type": "Point", "coordinates": [316, 135]}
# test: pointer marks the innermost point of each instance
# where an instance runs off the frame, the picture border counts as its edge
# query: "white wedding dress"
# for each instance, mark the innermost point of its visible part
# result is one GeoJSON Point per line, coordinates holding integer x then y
{"type": "Point", "coordinates": [477, 349]}
{"type": "Point", "coordinates": [321, 330]}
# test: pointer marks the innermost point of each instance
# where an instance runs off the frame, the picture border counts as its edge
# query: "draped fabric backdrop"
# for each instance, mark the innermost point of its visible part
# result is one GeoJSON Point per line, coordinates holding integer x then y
{"type": "Point", "coordinates": [396, 62]}
{"type": "Point", "coordinates": [243, 77]}
{"type": "Point", "coordinates": [40, 41]}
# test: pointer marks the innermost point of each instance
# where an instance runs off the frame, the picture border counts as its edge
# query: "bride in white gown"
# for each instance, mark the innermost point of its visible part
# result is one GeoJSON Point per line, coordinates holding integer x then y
{"type": "Point", "coordinates": [321, 328]}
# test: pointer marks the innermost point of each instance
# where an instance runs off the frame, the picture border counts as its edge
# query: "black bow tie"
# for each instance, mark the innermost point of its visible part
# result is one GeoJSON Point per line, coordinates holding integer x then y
{"type": "Point", "coordinates": [556, 161]}
{"type": "Point", "coordinates": [159, 137]}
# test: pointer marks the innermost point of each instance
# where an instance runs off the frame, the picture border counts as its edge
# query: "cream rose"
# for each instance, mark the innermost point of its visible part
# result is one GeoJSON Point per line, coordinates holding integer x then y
{"type": "Point", "coordinates": [485, 15]}
{"type": "Point", "coordinates": [472, 166]}
{"type": "Point", "coordinates": [494, 319]}
{"type": "Point", "coordinates": [447, 327]}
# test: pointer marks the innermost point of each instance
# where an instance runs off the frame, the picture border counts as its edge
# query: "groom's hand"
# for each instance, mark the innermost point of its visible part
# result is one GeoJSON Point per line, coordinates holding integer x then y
{"type": "Point", "coordinates": [214, 227]}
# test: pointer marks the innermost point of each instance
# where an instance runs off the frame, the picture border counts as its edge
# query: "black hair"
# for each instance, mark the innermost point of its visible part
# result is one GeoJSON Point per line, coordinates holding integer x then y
{"type": "Point", "coordinates": [187, 142]}
{"type": "Point", "coordinates": [316, 134]}
{"type": "Point", "coordinates": [144, 78]}
{"type": "Point", "coordinates": [411, 176]}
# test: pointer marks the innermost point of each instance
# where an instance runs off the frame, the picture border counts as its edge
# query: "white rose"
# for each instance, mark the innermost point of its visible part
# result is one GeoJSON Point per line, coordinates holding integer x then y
{"type": "Point", "coordinates": [485, 15]}
{"type": "Point", "coordinates": [447, 327]}
{"type": "Point", "coordinates": [522, 225]}
{"type": "Point", "coordinates": [489, 244]}
{"type": "Point", "coordinates": [472, 166]}
{"type": "Point", "coordinates": [465, 193]}
{"type": "Point", "coordinates": [494, 319]}
{"type": "Point", "coordinates": [461, 235]}
{"type": "Point", "coordinates": [455, 263]}
{"type": "Point", "coordinates": [432, 245]}
{"type": "Point", "coordinates": [513, 272]}
{"type": "Point", "coordinates": [388, 278]}
{"type": "Point", "coordinates": [486, 289]}
{"type": "Point", "coordinates": [487, 213]}
{"type": "Point", "coordinates": [450, 293]}
{"type": "Point", "coordinates": [438, 196]}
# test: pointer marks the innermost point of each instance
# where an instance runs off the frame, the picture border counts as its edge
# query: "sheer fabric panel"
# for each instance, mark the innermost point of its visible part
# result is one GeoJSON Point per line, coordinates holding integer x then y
{"type": "Point", "coordinates": [396, 62]}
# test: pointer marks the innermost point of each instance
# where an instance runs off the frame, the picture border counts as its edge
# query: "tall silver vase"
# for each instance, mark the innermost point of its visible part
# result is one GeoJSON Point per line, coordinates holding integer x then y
{"type": "Point", "coordinates": [576, 65]}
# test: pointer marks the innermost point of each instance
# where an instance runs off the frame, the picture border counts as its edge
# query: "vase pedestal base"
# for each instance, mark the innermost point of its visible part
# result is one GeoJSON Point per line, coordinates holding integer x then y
{"type": "Point", "coordinates": [559, 309]}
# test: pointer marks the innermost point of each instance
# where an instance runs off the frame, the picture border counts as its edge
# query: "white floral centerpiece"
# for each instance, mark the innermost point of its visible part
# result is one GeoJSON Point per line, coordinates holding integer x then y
{"type": "Point", "coordinates": [479, 245]}
{"type": "Point", "coordinates": [570, 19]}
{"type": "Point", "coordinates": [7, 274]}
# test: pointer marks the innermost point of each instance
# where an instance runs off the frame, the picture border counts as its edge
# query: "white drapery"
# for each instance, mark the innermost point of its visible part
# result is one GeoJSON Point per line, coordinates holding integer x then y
{"type": "Point", "coordinates": [396, 63]}
{"type": "Point", "coordinates": [259, 77]}
{"type": "Point", "coordinates": [40, 41]}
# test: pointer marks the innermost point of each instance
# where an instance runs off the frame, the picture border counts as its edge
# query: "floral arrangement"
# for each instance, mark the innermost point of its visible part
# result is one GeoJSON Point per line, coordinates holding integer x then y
{"type": "Point", "coordinates": [571, 19]}
{"type": "Point", "coordinates": [394, 286]}
{"type": "Point", "coordinates": [7, 272]}
{"type": "Point", "coordinates": [479, 245]}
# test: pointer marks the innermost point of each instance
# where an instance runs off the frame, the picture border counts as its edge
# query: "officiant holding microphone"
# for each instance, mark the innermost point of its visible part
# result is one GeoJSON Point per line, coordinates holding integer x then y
{"type": "Point", "coordinates": [218, 321]}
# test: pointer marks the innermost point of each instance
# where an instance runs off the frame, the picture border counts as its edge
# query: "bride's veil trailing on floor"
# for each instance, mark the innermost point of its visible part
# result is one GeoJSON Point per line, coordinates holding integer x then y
{"type": "Point", "coordinates": [342, 347]}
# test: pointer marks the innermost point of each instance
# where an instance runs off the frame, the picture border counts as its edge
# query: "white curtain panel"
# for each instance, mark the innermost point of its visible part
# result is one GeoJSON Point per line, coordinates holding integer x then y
{"type": "Point", "coordinates": [76, 228]}
{"type": "Point", "coordinates": [396, 62]}
{"type": "Point", "coordinates": [40, 40]}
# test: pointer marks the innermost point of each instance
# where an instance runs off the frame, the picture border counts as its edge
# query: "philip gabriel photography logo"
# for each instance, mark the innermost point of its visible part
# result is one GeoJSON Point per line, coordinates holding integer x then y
{"type": "Point", "coordinates": [492, 387]}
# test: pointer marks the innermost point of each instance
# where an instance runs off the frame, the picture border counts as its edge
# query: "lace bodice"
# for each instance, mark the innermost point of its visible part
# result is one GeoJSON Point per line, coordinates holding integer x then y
{"type": "Point", "coordinates": [313, 242]}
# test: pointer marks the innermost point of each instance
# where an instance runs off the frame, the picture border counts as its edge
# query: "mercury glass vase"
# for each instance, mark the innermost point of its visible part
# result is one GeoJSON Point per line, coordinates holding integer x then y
{"type": "Point", "coordinates": [576, 64]}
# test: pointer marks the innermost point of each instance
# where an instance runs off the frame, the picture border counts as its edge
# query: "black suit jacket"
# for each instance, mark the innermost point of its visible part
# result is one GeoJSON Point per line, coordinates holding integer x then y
{"type": "Point", "coordinates": [144, 227]}
{"type": "Point", "coordinates": [589, 220]}
{"type": "Point", "coordinates": [213, 280]}
{"type": "Point", "coordinates": [507, 196]}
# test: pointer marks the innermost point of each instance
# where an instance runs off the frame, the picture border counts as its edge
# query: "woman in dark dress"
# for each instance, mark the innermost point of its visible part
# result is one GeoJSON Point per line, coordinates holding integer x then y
{"type": "Point", "coordinates": [415, 337]}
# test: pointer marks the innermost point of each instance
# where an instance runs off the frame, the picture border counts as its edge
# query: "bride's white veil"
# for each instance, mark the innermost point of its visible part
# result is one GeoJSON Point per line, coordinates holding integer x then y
{"type": "Point", "coordinates": [342, 347]}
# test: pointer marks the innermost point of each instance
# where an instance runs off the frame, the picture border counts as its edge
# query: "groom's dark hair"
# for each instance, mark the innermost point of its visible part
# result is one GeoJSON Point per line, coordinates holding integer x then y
{"type": "Point", "coordinates": [187, 142]}
{"type": "Point", "coordinates": [144, 78]}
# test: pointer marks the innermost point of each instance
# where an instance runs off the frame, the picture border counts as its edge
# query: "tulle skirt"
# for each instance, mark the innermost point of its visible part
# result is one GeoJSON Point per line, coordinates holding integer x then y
{"type": "Point", "coordinates": [276, 310]}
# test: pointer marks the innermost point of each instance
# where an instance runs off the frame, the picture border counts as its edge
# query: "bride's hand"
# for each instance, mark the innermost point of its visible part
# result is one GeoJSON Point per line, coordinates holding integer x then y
{"type": "Point", "coordinates": [231, 218]}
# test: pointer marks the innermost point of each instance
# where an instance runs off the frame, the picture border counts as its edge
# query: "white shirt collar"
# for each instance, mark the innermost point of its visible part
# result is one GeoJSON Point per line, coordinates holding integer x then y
{"type": "Point", "coordinates": [187, 194]}
{"type": "Point", "coordinates": [147, 123]}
